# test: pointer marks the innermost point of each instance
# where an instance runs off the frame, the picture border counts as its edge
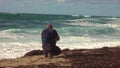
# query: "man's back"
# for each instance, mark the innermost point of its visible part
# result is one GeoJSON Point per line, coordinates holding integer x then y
{"type": "Point", "coordinates": [49, 36]}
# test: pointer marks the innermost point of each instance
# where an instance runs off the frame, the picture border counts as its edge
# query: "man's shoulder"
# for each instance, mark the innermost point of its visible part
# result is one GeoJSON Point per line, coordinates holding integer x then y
{"type": "Point", "coordinates": [44, 31]}
{"type": "Point", "coordinates": [49, 30]}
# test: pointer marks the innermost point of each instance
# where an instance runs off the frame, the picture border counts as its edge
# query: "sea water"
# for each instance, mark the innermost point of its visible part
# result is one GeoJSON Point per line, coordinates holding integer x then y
{"type": "Point", "coordinates": [21, 33]}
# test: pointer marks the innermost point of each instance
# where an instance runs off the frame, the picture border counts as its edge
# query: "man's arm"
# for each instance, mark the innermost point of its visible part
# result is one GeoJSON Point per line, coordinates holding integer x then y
{"type": "Point", "coordinates": [57, 36]}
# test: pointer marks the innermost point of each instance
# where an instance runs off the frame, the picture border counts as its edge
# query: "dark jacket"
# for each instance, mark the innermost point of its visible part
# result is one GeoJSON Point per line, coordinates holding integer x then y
{"type": "Point", "coordinates": [49, 39]}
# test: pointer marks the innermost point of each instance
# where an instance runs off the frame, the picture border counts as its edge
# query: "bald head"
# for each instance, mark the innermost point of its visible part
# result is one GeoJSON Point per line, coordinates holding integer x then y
{"type": "Point", "coordinates": [49, 26]}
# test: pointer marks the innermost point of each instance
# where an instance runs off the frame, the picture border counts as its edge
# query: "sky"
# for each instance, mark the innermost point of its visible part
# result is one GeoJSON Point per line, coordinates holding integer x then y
{"type": "Point", "coordinates": [72, 7]}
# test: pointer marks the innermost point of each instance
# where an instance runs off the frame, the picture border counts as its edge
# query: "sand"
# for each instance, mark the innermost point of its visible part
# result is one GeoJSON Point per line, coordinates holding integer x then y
{"type": "Point", "coordinates": [81, 58]}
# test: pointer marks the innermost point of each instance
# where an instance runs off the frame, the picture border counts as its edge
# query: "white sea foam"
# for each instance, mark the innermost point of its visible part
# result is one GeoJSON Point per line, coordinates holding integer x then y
{"type": "Point", "coordinates": [8, 34]}
{"type": "Point", "coordinates": [18, 49]}
{"type": "Point", "coordinates": [11, 30]}
{"type": "Point", "coordinates": [87, 43]}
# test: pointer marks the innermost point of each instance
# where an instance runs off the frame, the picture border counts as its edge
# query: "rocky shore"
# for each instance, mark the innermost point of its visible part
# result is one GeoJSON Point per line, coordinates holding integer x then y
{"type": "Point", "coordinates": [105, 57]}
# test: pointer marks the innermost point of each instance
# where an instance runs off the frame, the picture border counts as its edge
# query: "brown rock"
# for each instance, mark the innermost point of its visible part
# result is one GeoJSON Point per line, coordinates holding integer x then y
{"type": "Point", "coordinates": [34, 52]}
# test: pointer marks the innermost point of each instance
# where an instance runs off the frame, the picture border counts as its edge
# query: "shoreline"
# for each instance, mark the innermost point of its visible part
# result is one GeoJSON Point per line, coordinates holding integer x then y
{"type": "Point", "coordinates": [16, 49]}
{"type": "Point", "coordinates": [106, 57]}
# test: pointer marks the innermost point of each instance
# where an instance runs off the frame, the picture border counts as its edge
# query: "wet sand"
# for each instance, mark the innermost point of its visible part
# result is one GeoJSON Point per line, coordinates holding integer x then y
{"type": "Point", "coordinates": [81, 58]}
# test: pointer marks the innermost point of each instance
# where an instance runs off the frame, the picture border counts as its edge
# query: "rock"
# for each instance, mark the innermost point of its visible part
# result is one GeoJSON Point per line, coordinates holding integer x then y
{"type": "Point", "coordinates": [55, 51]}
{"type": "Point", "coordinates": [34, 52]}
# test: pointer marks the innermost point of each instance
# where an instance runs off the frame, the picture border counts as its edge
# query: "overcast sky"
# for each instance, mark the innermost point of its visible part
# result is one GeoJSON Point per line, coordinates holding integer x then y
{"type": "Point", "coordinates": [81, 7]}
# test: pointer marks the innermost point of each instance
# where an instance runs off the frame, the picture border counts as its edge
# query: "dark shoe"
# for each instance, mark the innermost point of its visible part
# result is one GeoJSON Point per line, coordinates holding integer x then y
{"type": "Point", "coordinates": [46, 55]}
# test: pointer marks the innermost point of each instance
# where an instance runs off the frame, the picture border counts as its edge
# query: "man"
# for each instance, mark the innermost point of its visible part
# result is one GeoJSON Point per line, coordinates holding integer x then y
{"type": "Point", "coordinates": [49, 38]}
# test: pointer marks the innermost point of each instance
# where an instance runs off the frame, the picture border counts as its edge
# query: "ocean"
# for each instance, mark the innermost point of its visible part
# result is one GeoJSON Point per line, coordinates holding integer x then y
{"type": "Point", "coordinates": [21, 33]}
